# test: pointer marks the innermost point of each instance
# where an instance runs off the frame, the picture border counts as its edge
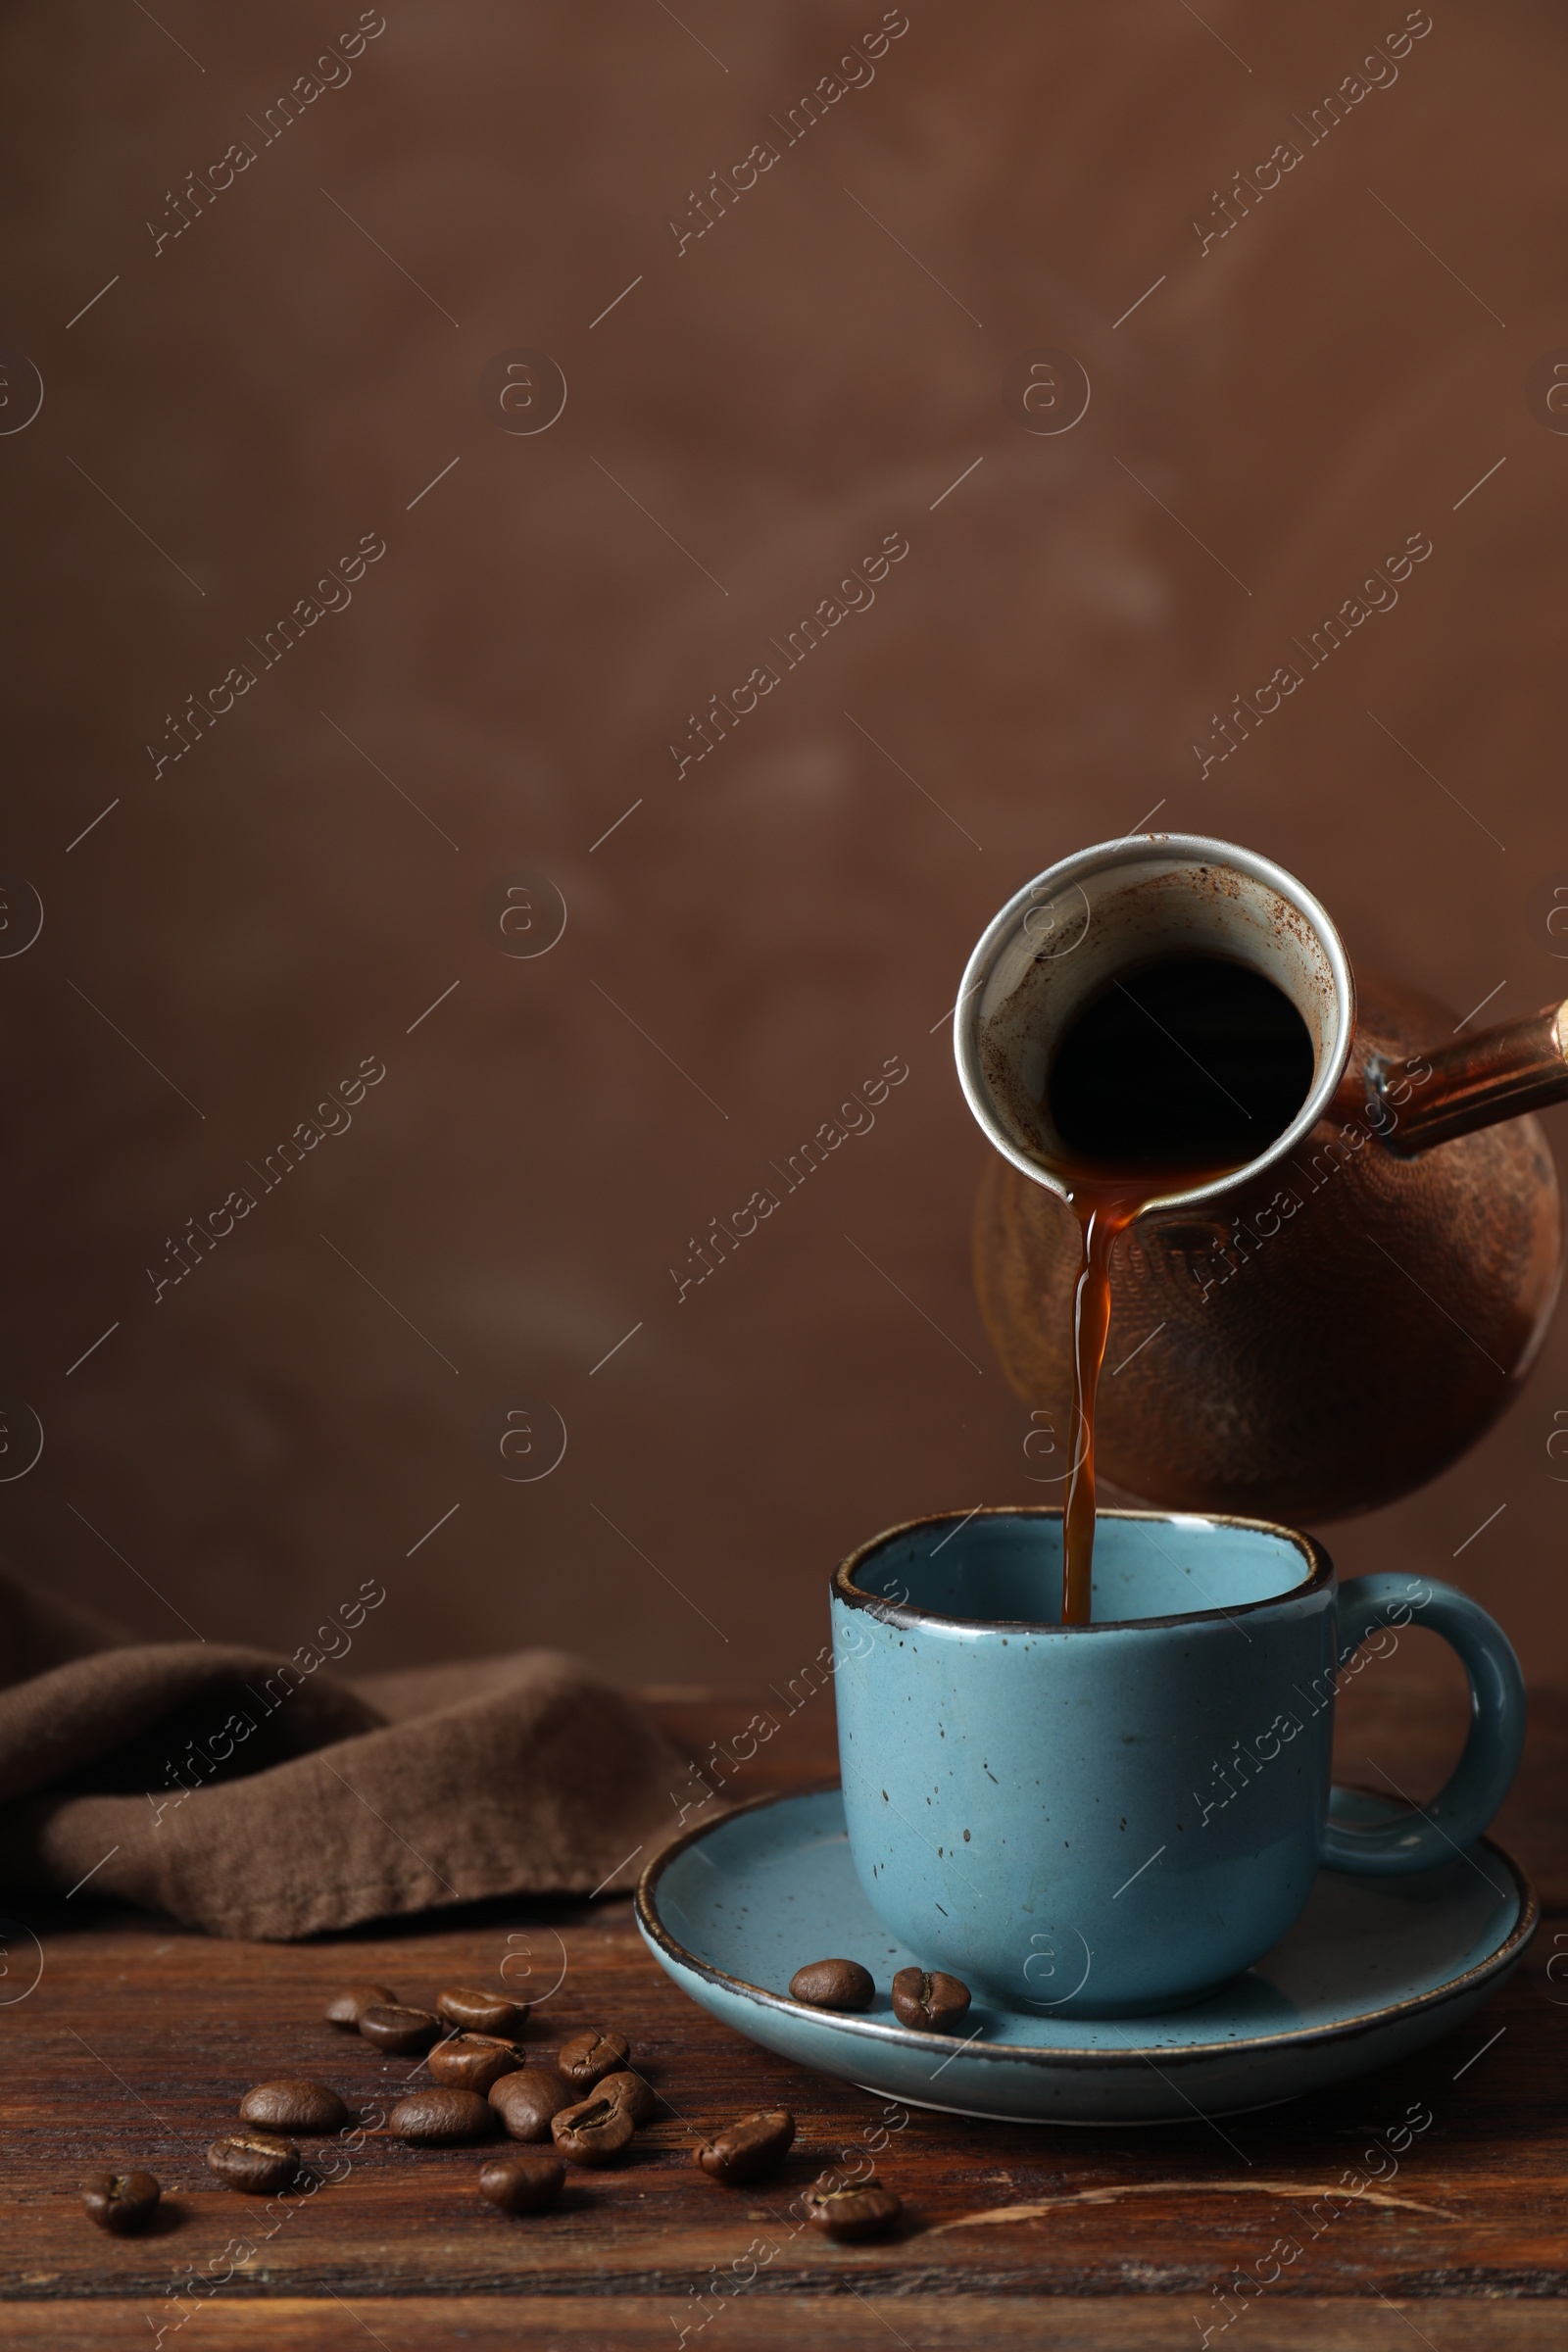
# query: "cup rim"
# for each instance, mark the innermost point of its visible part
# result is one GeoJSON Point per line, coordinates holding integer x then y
{"type": "Point", "coordinates": [1320, 1576]}
{"type": "Point", "coordinates": [1197, 848]}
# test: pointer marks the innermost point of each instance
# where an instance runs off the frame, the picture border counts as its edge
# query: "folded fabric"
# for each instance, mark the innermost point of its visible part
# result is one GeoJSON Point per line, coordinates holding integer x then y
{"type": "Point", "coordinates": [254, 1795]}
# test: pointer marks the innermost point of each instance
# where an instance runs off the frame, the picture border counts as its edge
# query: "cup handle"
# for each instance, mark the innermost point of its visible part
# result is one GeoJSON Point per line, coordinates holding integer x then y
{"type": "Point", "coordinates": [1481, 1778]}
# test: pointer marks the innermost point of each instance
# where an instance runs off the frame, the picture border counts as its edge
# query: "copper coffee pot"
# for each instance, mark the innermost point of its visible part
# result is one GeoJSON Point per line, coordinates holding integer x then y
{"type": "Point", "coordinates": [1326, 1327]}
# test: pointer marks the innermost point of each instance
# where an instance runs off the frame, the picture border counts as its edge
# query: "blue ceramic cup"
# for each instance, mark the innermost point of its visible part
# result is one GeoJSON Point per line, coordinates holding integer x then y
{"type": "Point", "coordinates": [1113, 1818]}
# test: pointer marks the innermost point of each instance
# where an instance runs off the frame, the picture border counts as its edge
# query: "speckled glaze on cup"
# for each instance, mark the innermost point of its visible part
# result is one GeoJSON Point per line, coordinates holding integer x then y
{"type": "Point", "coordinates": [1106, 1819]}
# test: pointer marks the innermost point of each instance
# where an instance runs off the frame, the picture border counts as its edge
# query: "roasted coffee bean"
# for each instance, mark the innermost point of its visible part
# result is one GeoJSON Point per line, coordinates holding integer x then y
{"type": "Point", "coordinates": [293, 2106]}
{"type": "Point", "coordinates": [121, 2202]}
{"type": "Point", "coordinates": [848, 2210]}
{"type": "Point", "coordinates": [479, 2012]}
{"type": "Point", "coordinates": [935, 2002]}
{"type": "Point", "coordinates": [257, 2162]}
{"type": "Point", "coordinates": [522, 2182]}
{"type": "Point", "coordinates": [435, 2117]}
{"type": "Point", "coordinates": [633, 2093]}
{"type": "Point", "coordinates": [591, 2054]}
{"type": "Point", "coordinates": [344, 2008]}
{"type": "Point", "coordinates": [393, 2028]}
{"type": "Point", "coordinates": [527, 2101]}
{"type": "Point", "coordinates": [746, 2150]}
{"type": "Point", "coordinates": [833, 1985]}
{"type": "Point", "coordinates": [473, 2061]}
{"type": "Point", "coordinates": [593, 2132]}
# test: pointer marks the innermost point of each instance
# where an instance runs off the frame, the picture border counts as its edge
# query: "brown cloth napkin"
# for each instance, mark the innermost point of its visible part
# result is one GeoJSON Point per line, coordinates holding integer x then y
{"type": "Point", "coordinates": [254, 1795]}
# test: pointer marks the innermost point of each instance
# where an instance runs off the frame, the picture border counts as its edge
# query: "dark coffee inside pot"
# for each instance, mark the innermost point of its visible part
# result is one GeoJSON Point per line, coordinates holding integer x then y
{"type": "Point", "coordinates": [1187, 1061]}
{"type": "Point", "coordinates": [1176, 1072]}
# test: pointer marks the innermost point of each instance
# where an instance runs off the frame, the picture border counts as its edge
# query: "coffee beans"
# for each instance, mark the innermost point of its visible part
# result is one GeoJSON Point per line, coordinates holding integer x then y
{"type": "Point", "coordinates": [585, 2107]}
{"type": "Point", "coordinates": [746, 2150]}
{"type": "Point", "coordinates": [345, 2008]}
{"type": "Point", "coordinates": [522, 2183]}
{"type": "Point", "coordinates": [437, 2117]}
{"type": "Point", "coordinates": [589, 2055]}
{"type": "Point", "coordinates": [293, 2106]}
{"type": "Point", "coordinates": [593, 2132]}
{"type": "Point", "coordinates": [473, 2061]}
{"type": "Point", "coordinates": [935, 2002]}
{"type": "Point", "coordinates": [479, 2012]}
{"type": "Point", "coordinates": [850, 2210]}
{"type": "Point", "coordinates": [257, 2162]}
{"type": "Point", "coordinates": [526, 2102]}
{"type": "Point", "coordinates": [121, 2202]}
{"type": "Point", "coordinates": [393, 2028]}
{"type": "Point", "coordinates": [833, 1985]}
{"type": "Point", "coordinates": [632, 2092]}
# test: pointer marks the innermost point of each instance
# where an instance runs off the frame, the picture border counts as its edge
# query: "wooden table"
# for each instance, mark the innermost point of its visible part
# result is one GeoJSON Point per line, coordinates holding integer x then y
{"type": "Point", "coordinates": [138, 2040]}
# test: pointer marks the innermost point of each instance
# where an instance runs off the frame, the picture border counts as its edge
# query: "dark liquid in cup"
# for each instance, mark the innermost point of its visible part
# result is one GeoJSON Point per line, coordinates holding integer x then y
{"type": "Point", "coordinates": [1175, 1073]}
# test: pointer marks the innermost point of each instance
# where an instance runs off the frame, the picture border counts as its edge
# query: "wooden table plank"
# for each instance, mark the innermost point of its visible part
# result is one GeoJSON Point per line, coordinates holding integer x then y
{"type": "Point", "coordinates": [139, 2039]}
{"type": "Point", "coordinates": [840, 2324]}
{"type": "Point", "coordinates": [132, 2055]}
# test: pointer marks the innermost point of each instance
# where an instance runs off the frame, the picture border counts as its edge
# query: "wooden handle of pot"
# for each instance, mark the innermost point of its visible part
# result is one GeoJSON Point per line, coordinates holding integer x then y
{"type": "Point", "coordinates": [1502, 1072]}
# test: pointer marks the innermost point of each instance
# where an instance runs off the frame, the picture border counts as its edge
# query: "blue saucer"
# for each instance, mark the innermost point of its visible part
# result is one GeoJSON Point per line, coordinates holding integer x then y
{"type": "Point", "coordinates": [1372, 1970]}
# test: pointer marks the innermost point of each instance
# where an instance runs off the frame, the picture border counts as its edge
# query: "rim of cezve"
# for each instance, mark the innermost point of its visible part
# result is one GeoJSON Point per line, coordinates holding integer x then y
{"type": "Point", "coordinates": [1200, 849]}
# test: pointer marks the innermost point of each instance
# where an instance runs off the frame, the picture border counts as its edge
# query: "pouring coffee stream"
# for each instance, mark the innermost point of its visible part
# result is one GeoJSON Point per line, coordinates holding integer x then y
{"type": "Point", "coordinates": [1173, 1073]}
{"type": "Point", "coordinates": [1161, 1036]}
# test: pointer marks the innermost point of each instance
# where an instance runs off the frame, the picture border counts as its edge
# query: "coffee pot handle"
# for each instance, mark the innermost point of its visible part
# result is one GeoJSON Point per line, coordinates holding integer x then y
{"type": "Point", "coordinates": [1481, 1778]}
{"type": "Point", "coordinates": [1497, 1074]}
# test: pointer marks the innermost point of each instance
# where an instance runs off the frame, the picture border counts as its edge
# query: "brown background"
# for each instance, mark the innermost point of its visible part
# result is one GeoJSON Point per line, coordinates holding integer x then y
{"type": "Point", "coordinates": [271, 385]}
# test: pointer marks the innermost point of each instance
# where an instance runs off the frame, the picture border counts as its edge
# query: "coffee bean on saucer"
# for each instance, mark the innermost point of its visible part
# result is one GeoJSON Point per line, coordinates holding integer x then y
{"type": "Point", "coordinates": [293, 2106]}
{"type": "Point", "coordinates": [473, 2061]}
{"type": "Point", "coordinates": [345, 2008]}
{"type": "Point", "coordinates": [391, 2026]}
{"type": "Point", "coordinates": [746, 2150]}
{"type": "Point", "coordinates": [121, 2202]}
{"type": "Point", "coordinates": [833, 1985]}
{"type": "Point", "coordinates": [633, 2093]}
{"type": "Point", "coordinates": [935, 2002]}
{"type": "Point", "coordinates": [439, 2116]}
{"type": "Point", "coordinates": [527, 2101]}
{"type": "Point", "coordinates": [522, 2182]}
{"type": "Point", "coordinates": [257, 2162]}
{"type": "Point", "coordinates": [479, 2012]}
{"type": "Point", "coordinates": [590, 2054]}
{"type": "Point", "coordinates": [850, 2210]}
{"type": "Point", "coordinates": [593, 2132]}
